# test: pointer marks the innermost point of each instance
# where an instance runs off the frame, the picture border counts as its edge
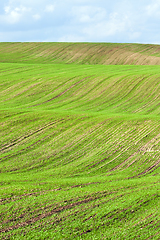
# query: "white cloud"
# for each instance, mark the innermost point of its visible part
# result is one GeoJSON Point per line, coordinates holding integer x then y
{"type": "Point", "coordinates": [111, 26]}
{"type": "Point", "coordinates": [7, 9]}
{"type": "Point", "coordinates": [14, 15]}
{"type": "Point", "coordinates": [86, 14]}
{"type": "Point", "coordinates": [36, 16]}
{"type": "Point", "coordinates": [153, 9]}
{"type": "Point", "coordinates": [50, 8]}
{"type": "Point", "coordinates": [80, 20]}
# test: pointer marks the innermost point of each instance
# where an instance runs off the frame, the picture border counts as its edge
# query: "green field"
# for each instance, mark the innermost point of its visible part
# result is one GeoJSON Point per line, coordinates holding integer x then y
{"type": "Point", "coordinates": [79, 141]}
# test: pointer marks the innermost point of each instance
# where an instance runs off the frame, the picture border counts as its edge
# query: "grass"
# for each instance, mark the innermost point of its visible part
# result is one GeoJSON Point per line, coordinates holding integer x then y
{"type": "Point", "coordinates": [80, 144]}
{"type": "Point", "coordinates": [81, 53]}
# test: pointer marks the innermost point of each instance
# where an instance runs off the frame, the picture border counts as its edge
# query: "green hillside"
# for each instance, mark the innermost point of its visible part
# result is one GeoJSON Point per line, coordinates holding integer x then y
{"type": "Point", "coordinates": [81, 53]}
{"type": "Point", "coordinates": [79, 144]}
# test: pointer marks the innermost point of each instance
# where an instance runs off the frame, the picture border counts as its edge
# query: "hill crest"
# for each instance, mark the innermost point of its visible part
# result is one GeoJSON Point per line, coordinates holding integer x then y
{"type": "Point", "coordinates": [81, 53]}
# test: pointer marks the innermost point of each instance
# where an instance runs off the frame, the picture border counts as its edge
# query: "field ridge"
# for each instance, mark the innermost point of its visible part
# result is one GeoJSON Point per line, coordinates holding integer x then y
{"type": "Point", "coordinates": [81, 53]}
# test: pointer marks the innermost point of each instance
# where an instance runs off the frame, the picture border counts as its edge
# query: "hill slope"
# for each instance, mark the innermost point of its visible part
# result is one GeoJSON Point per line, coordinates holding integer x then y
{"type": "Point", "coordinates": [80, 147]}
{"type": "Point", "coordinates": [81, 53]}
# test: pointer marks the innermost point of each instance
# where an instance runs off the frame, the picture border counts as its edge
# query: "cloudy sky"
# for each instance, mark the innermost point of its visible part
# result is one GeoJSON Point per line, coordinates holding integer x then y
{"type": "Point", "coordinates": [80, 21]}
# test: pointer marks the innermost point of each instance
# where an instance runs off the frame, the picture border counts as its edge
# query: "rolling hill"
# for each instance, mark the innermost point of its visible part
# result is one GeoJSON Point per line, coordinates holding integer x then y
{"type": "Point", "coordinates": [79, 140]}
{"type": "Point", "coordinates": [81, 53]}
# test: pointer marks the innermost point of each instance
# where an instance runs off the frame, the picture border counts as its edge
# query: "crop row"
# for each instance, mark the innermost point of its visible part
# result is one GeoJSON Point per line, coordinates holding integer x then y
{"type": "Point", "coordinates": [81, 53]}
{"type": "Point", "coordinates": [79, 149]}
{"type": "Point", "coordinates": [97, 90]}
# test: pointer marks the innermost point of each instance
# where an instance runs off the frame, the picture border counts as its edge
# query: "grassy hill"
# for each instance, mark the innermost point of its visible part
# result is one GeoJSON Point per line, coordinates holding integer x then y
{"type": "Point", "coordinates": [79, 144]}
{"type": "Point", "coordinates": [81, 53]}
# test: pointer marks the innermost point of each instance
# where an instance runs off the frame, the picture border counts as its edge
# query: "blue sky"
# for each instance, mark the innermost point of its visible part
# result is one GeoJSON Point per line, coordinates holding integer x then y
{"type": "Point", "coordinates": [80, 21]}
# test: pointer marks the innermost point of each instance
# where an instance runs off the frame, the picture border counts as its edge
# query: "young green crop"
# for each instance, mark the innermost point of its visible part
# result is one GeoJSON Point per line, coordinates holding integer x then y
{"type": "Point", "coordinates": [80, 147]}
